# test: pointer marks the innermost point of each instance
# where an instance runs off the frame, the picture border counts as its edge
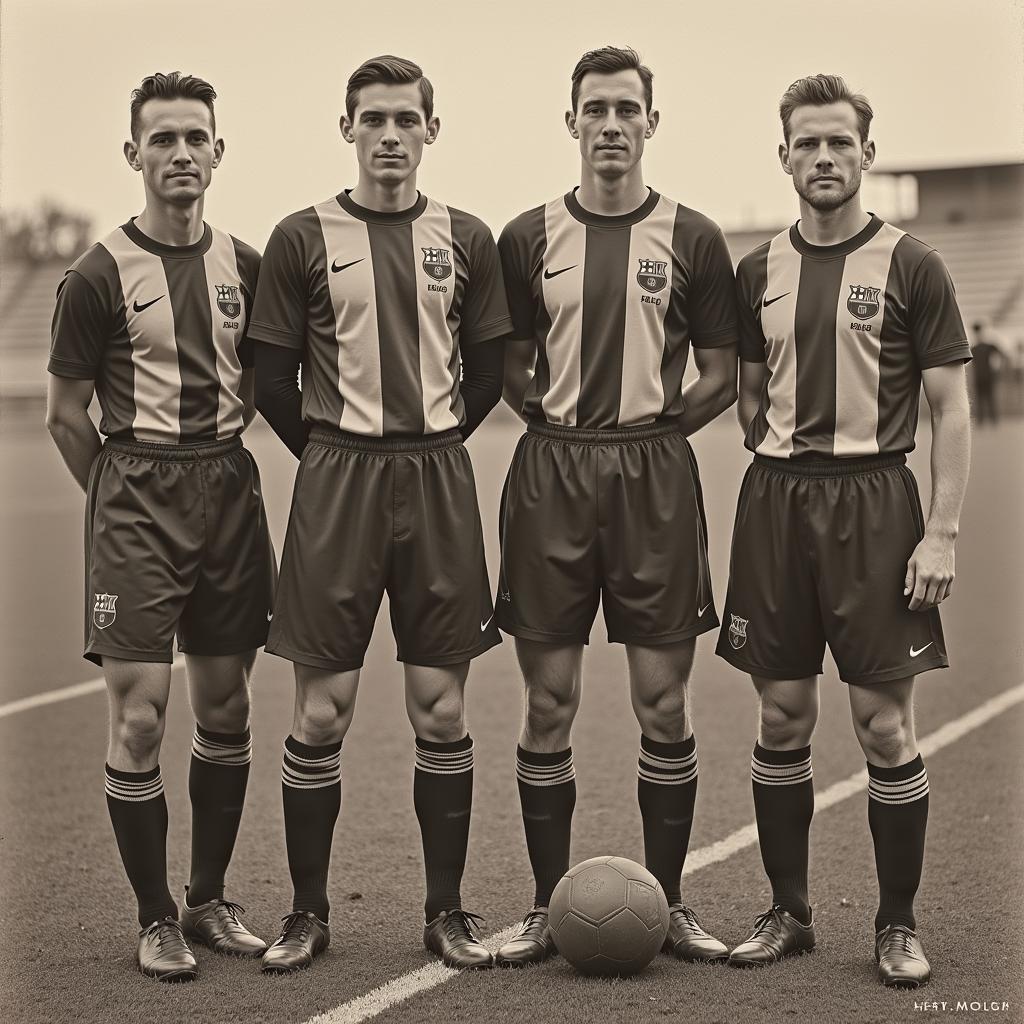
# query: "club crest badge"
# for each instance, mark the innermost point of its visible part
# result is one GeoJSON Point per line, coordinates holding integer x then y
{"type": "Point", "coordinates": [737, 631]}
{"type": "Point", "coordinates": [228, 301]}
{"type": "Point", "coordinates": [104, 611]}
{"type": "Point", "coordinates": [437, 263]}
{"type": "Point", "coordinates": [863, 301]}
{"type": "Point", "coordinates": [652, 275]}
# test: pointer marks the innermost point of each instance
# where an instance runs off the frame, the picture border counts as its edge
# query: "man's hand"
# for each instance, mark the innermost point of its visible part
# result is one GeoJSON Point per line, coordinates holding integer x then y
{"type": "Point", "coordinates": [930, 573]}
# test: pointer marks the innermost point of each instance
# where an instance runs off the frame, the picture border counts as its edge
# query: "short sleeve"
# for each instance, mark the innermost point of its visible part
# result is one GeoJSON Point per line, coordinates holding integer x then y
{"type": "Point", "coordinates": [712, 301]}
{"type": "Point", "coordinates": [484, 313]}
{"type": "Point", "coordinates": [517, 288]}
{"type": "Point", "coordinates": [279, 309]}
{"type": "Point", "coordinates": [80, 329]}
{"type": "Point", "coordinates": [751, 337]}
{"type": "Point", "coordinates": [934, 322]}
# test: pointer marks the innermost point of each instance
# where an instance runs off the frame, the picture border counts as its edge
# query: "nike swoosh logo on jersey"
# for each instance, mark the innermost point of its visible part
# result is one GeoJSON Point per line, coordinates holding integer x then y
{"type": "Point", "coordinates": [701, 611]}
{"type": "Point", "coordinates": [548, 274]}
{"type": "Point", "coordinates": [768, 302]}
{"type": "Point", "coordinates": [145, 305]}
{"type": "Point", "coordinates": [914, 653]}
{"type": "Point", "coordinates": [484, 625]}
{"type": "Point", "coordinates": [335, 269]}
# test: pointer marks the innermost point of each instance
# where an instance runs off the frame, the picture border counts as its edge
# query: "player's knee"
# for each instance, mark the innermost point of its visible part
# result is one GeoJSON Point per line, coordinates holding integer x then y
{"type": "Point", "coordinates": [662, 716]}
{"type": "Point", "coordinates": [443, 720]}
{"type": "Point", "coordinates": [550, 711]}
{"type": "Point", "coordinates": [786, 725]}
{"type": "Point", "coordinates": [885, 737]}
{"type": "Point", "coordinates": [231, 714]}
{"type": "Point", "coordinates": [319, 723]}
{"type": "Point", "coordinates": [139, 730]}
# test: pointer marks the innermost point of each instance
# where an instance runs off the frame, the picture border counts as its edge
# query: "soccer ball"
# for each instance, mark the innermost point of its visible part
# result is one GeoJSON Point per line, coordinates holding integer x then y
{"type": "Point", "coordinates": [608, 915]}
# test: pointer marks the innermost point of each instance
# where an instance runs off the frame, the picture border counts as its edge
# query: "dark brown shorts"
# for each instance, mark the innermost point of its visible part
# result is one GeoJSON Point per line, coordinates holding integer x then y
{"type": "Point", "coordinates": [610, 516]}
{"type": "Point", "coordinates": [819, 555]}
{"type": "Point", "coordinates": [371, 514]}
{"type": "Point", "coordinates": [176, 541]}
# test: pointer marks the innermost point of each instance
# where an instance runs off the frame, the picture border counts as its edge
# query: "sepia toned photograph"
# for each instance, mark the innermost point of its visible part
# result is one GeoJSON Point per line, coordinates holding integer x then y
{"type": "Point", "coordinates": [511, 512]}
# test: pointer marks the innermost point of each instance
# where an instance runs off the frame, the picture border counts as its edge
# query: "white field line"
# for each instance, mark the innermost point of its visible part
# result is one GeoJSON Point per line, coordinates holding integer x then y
{"type": "Point", "coordinates": [408, 985]}
{"type": "Point", "coordinates": [40, 700]}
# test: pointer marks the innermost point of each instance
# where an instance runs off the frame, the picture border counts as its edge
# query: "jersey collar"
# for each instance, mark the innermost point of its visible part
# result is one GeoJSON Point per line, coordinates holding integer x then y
{"type": "Point", "coordinates": [174, 252]}
{"type": "Point", "coordinates": [830, 252]}
{"type": "Point", "coordinates": [346, 202]}
{"type": "Point", "coordinates": [619, 220]}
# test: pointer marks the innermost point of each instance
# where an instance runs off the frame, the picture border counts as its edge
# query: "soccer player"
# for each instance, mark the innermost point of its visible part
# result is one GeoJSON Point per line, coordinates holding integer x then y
{"type": "Point", "coordinates": [608, 285]}
{"type": "Point", "coordinates": [380, 293]}
{"type": "Point", "coordinates": [153, 320]}
{"type": "Point", "coordinates": [843, 316]}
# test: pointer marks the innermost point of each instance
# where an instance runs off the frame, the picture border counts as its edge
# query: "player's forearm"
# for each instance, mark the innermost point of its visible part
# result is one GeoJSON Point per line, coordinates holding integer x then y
{"type": "Point", "coordinates": [77, 441]}
{"type": "Point", "coordinates": [513, 391]}
{"type": "Point", "coordinates": [746, 409]}
{"type": "Point", "coordinates": [703, 400]}
{"type": "Point", "coordinates": [482, 369]}
{"type": "Point", "coordinates": [950, 466]}
{"type": "Point", "coordinates": [278, 397]}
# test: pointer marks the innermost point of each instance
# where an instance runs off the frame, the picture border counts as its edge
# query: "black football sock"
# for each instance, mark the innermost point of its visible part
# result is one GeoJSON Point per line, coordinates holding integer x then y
{"type": "Point", "coordinates": [138, 812]}
{"type": "Point", "coordinates": [311, 787]}
{"type": "Point", "coordinates": [898, 816]}
{"type": "Point", "coordinates": [443, 796]}
{"type": "Point", "coordinates": [667, 789]}
{"type": "Point", "coordinates": [547, 792]}
{"type": "Point", "coordinates": [784, 805]}
{"type": "Point", "coordinates": [217, 777]}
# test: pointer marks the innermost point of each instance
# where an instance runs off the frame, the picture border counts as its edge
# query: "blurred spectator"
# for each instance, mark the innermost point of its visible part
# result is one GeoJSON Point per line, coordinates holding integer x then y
{"type": "Point", "coordinates": [49, 232]}
{"type": "Point", "coordinates": [986, 365]}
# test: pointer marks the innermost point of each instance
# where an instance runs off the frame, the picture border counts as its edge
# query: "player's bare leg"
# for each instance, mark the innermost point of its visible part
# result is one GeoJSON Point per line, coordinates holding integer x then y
{"type": "Point", "coordinates": [667, 783]}
{"type": "Point", "coordinates": [137, 693]}
{"type": "Point", "coordinates": [783, 805]}
{"type": "Point", "coordinates": [325, 702]}
{"type": "Point", "coordinates": [218, 775]}
{"type": "Point", "coordinates": [883, 718]}
{"type": "Point", "coordinates": [552, 674]}
{"type": "Point", "coordinates": [443, 797]}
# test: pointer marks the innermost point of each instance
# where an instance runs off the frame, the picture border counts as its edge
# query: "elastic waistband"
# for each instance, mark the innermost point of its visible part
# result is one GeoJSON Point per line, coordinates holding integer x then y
{"type": "Point", "coordinates": [830, 467]}
{"type": "Point", "coordinates": [174, 452]}
{"type": "Point", "coordinates": [347, 441]}
{"type": "Point", "coordinates": [614, 435]}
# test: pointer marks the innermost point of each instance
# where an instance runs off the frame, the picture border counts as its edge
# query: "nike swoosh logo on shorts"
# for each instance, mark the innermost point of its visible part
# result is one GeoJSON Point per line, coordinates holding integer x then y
{"type": "Point", "coordinates": [484, 625]}
{"type": "Point", "coordinates": [701, 611]}
{"type": "Point", "coordinates": [914, 653]}
{"type": "Point", "coordinates": [548, 274]}
{"type": "Point", "coordinates": [335, 269]}
{"type": "Point", "coordinates": [145, 305]}
{"type": "Point", "coordinates": [768, 302]}
{"type": "Point", "coordinates": [270, 616]}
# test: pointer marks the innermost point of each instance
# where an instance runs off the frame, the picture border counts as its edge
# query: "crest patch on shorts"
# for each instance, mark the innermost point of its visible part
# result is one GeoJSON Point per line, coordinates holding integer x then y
{"type": "Point", "coordinates": [104, 611]}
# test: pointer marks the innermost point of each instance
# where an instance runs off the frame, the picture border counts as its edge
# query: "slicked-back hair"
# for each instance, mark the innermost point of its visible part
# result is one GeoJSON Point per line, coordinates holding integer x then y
{"type": "Point", "coordinates": [606, 61]}
{"type": "Point", "coordinates": [172, 86]}
{"type": "Point", "coordinates": [388, 70]}
{"type": "Point", "coordinates": [820, 91]}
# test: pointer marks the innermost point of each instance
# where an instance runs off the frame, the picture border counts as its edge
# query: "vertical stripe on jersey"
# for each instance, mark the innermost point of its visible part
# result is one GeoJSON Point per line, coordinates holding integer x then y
{"type": "Point", "coordinates": [221, 266]}
{"type": "Point", "coordinates": [814, 330]}
{"type": "Point", "coordinates": [603, 324]}
{"type": "Point", "coordinates": [899, 396]}
{"type": "Point", "coordinates": [563, 300]}
{"type": "Point", "coordinates": [353, 298]}
{"type": "Point", "coordinates": [438, 356]}
{"type": "Point", "coordinates": [197, 359]}
{"type": "Point", "coordinates": [782, 287]}
{"type": "Point", "coordinates": [858, 351]}
{"type": "Point", "coordinates": [151, 334]}
{"type": "Point", "coordinates": [642, 392]}
{"type": "Point", "coordinates": [398, 329]}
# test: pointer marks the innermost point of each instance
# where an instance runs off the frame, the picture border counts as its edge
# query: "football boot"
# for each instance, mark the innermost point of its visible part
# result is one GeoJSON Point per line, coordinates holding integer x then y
{"type": "Point", "coordinates": [163, 953]}
{"type": "Point", "coordinates": [303, 938]}
{"type": "Point", "coordinates": [216, 925]}
{"type": "Point", "coordinates": [454, 937]}
{"type": "Point", "coordinates": [531, 944]}
{"type": "Point", "coordinates": [900, 957]}
{"type": "Point", "coordinates": [687, 940]}
{"type": "Point", "coordinates": [777, 934]}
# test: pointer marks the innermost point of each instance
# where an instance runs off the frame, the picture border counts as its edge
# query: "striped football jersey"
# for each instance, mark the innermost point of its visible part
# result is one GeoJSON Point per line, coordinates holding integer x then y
{"type": "Point", "coordinates": [161, 329]}
{"type": "Point", "coordinates": [379, 304]}
{"type": "Point", "coordinates": [613, 303]}
{"type": "Point", "coordinates": [845, 330]}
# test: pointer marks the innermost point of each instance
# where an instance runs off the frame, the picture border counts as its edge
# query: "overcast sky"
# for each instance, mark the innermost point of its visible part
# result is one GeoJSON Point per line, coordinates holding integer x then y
{"type": "Point", "coordinates": [946, 78]}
